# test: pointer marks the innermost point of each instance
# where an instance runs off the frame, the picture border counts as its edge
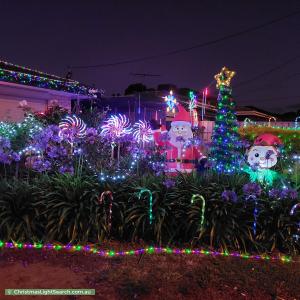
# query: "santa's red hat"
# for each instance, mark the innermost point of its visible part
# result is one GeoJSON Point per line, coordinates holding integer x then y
{"type": "Point", "coordinates": [267, 139]}
{"type": "Point", "coordinates": [182, 117]}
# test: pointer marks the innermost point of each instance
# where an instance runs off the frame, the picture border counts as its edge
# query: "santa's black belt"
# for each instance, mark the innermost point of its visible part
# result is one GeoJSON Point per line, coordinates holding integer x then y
{"type": "Point", "coordinates": [184, 161]}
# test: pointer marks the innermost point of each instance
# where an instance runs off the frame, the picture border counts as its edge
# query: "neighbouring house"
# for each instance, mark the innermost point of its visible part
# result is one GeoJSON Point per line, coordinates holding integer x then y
{"type": "Point", "coordinates": [151, 104]}
{"type": "Point", "coordinates": [20, 86]}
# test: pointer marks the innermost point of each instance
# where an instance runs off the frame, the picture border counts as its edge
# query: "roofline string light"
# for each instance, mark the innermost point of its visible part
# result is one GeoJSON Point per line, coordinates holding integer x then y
{"type": "Point", "coordinates": [43, 82]}
{"type": "Point", "coordinates": [148, 250]}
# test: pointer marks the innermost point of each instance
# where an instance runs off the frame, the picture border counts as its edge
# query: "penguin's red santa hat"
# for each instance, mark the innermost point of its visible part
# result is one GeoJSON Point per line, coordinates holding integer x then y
{"type": "Point", "coordinates": [267, 139]}
{"type": "Point", "coordinates": [182, 117]}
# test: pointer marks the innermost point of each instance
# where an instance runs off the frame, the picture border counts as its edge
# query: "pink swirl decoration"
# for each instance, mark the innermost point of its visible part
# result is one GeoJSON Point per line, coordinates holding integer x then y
{"type": "Point", "coordinates": [72, 126]}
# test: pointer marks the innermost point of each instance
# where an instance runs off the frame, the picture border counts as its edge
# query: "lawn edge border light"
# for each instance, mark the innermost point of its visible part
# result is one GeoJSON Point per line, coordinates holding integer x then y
{"type": "Point", "coordinates": [148, 250]}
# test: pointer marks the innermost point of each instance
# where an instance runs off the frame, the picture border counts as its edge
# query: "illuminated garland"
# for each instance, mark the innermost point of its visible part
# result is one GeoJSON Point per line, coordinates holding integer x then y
{"type": "Point", "coordinates": [30, 70]}
{"type": "Point", "coordinates": [149, 250]}
{"type": "Point", "coordinates": [43, 82]}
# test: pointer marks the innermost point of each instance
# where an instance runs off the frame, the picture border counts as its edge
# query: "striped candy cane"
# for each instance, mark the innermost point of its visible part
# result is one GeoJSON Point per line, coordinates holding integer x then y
{"type": "Point", "coordinates": [101, 200]}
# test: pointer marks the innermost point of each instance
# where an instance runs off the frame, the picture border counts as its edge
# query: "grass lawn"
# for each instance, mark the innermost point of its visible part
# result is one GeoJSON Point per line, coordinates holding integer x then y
{"type": "Point", "coordinates": [149, 276]}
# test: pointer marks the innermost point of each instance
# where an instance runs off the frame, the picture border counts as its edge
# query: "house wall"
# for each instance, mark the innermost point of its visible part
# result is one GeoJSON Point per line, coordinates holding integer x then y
{"type": "Point", "coordinates": [38, 100]}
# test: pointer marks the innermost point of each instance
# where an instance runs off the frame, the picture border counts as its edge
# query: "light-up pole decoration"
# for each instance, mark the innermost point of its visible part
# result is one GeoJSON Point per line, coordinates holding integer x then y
{"type": "Point", "coordinates": [204, 95]}
{"type": "Point", "coordinates": [296, 121]}
{"type": "Point", "coordinates": [192, 108]}
{"type": "Point", "coordinates": [271, 118]}
{"type": "Point", "coordinates": [171, 102]}
{"type": "Point", "coordinates": [116, 127]}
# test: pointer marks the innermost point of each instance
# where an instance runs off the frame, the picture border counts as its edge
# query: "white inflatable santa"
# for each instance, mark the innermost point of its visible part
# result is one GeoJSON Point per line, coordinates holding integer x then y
{"type": "Point", "coordinates": [182, 154]}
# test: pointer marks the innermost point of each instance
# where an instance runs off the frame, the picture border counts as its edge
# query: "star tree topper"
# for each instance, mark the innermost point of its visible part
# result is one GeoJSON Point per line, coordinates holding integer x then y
{"type": "Point", "coordinates": [224, 77]}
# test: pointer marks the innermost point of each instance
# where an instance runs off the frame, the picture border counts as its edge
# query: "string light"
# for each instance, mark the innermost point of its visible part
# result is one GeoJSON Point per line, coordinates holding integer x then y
{"type": "Point", "coordinates": [5, 63]}
{"type": "Point", "coordinates": [120, 176]}
{"type": "Point", "coordinates": [29, 151]}
{"type": "Point", "coordinates": [148, 250]}
{"type": "Point", "coordinates": [43, 82]}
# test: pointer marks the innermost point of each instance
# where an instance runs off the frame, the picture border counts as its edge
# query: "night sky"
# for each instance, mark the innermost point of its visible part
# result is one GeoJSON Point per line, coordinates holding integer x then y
{"type": "Point", "coordinates": [49, 37]}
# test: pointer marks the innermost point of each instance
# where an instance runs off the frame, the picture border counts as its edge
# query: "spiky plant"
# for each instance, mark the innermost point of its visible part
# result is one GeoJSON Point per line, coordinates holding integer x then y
{"type": "Point", "coordinates": [72, 209]}
{"type": "Point", "coordinates": [20, 215]}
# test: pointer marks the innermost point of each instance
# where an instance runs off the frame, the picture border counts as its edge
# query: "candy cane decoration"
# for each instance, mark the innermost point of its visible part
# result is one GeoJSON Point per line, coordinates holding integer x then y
{"type": "Point", "coordinates": [292, 212]}
{"type": "Point", "coordinates": [101, 200]}
{"type": "Point", "coordinates": [150, 202]}
{"type": "Point", "coordinates": [255, 211]}
{"type": "Point", "coordinates": [201, 198]}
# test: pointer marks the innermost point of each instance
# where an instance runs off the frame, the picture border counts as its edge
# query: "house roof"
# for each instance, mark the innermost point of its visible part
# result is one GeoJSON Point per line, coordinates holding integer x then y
{"type": "Point", "coordinates": [25, 76]}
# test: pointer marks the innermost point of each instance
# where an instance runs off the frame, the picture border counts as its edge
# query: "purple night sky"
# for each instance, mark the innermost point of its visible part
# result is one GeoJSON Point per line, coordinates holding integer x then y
{"type": "Point", "coordinates": [49, 37]}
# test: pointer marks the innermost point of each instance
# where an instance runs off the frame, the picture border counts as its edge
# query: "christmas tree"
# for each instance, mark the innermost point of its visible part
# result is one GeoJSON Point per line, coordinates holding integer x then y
{"type": "Point", "coordinates": [225, 140]}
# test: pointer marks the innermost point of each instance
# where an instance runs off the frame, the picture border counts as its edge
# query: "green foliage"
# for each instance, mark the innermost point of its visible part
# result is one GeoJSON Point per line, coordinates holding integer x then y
{"type": "Point", "coordinates": [52, 115]}
{"type": "Point", "coordinates": [65, 208]}
{"type": "Point", "coordinates": [20, 218]}
{"type": "Point", "coordinates": [71, 208]}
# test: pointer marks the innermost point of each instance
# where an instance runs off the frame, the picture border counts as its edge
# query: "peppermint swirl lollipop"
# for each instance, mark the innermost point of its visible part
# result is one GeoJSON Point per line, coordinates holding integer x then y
{"type": "Point", "coordinates": [72, 126]}
{"type": "Point", "coordinates": [116, 126]}
{"type": "Point", "coordinates": [142, 131]}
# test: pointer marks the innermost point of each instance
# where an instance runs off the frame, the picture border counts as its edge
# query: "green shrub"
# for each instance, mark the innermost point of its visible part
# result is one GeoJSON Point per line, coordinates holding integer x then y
{"type": "Point", "coordinates": [20, 218]}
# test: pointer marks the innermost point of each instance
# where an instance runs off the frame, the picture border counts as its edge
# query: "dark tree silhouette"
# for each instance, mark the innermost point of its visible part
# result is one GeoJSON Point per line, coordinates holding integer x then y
{"type": "Point", "coordinates": [135, 88]}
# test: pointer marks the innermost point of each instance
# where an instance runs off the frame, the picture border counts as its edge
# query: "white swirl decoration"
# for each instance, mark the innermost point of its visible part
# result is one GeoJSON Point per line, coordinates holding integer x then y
{"type": "Point", "coordinates": [116, 126]}
{"type": "Point", "coordinates": [142, 132]}
{"type": "Point", "coordinates": [72, 126]}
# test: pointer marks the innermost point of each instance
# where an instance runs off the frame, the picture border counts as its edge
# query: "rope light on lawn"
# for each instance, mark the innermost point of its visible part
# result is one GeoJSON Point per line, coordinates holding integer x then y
{"type": "Point", "coordinates": [148, 250]}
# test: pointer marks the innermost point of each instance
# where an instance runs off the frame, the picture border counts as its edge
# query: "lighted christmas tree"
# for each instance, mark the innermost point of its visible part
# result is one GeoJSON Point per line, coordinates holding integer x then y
{"type": "Point", "coordinates": [225, 140]}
